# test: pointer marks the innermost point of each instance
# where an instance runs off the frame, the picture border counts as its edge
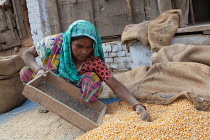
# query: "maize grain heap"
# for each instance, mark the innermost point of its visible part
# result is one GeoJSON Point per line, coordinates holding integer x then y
{"type": "Point", "coordinates": [179, 120]}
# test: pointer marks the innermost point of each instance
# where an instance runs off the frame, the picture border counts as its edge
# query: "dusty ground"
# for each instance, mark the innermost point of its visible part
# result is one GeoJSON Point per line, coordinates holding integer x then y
{"type": "Point", "coordinates": [38, 126]}
{"type": "Point", "coordinates": [33, 125]}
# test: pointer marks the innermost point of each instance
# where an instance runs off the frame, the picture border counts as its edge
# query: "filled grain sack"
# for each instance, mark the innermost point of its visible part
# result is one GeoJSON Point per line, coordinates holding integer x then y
{"type": "Point", "coordinates": [165, 82]}
{"type": "Point", "coordinates": [135, 32]}
{"type": "Point", "coordinates": [178, 70]}
{"type": "Point", "coordinates": [183, 53]}
{"type": "Point", "coordinates": [10, 85]}
{"type": "Point", "coordinates": [10, 64]}
{"type": "Point", "coordinates": [162, 30]}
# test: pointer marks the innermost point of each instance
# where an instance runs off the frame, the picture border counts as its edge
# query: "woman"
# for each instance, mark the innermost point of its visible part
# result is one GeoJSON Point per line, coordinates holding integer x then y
{"type": "Point", "coordinates": [77, 56]}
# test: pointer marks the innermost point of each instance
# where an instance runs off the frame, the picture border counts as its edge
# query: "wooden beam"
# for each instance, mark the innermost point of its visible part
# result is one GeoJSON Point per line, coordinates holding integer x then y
{"type": "Point", "coordinates": [52, 11]}
{"type": "Point", "coordinates": [5, 6]}
{"type": "Point", "coordinates": [197, 28]}
{"type": "Point", "coordinates": [192, 13]}
{"type": "Point", "coordinates": [9, 39]}
{"type": "Point", "coordinates": [206, 32]}
{"type": "Point", "coordinates": [3, 19]}
{"type": "Point", "coordinates": [19, 19]}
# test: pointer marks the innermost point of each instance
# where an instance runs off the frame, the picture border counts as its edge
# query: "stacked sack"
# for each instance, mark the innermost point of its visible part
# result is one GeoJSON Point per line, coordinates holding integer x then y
{"type": "Point", "coordinates": [10, 85]}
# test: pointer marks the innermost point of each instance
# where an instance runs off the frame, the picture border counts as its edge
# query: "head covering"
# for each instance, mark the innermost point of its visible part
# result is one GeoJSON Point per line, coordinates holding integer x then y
{"type": "Point", "coordinates": [67, 68]}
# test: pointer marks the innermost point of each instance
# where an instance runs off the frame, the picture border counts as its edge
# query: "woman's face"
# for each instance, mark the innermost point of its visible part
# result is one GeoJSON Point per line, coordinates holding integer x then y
{"type": "Point", "coordinates": [81, 48]}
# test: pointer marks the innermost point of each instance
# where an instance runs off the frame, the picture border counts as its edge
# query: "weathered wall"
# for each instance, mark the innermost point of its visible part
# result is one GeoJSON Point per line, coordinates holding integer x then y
{"type": "Point", "coordinates": [38, 19]}
{"type": "Point", "coordinates": [115, 53]}
{"type": "Point", "coordinates": [117, 56]}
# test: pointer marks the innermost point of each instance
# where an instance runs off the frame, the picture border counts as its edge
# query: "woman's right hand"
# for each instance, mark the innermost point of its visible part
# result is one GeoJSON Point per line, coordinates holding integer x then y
{"type": "Point", "coordinates": [144, 114]}
{"type": "Point", "coordinates": [40, 72]}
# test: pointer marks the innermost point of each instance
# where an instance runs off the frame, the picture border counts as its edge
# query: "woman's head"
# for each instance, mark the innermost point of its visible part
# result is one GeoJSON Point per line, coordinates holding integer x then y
{"type": "Point", "coordinates": [83, 28]}
{"type": "Point", "coordinates": [67, 67]}
{"type": "Point", "coordinates": [81, 47]}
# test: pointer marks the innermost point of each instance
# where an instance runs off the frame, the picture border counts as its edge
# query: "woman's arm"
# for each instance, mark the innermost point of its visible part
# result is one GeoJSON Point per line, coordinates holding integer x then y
{"type": "Point", "coordinates": [29, 58]}
{"type": "Point", "coordinates": [119, 89]}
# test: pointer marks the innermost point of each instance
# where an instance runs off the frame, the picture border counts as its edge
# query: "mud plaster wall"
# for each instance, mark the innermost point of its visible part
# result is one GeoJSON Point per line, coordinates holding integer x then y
{"type": "Point", "coordinates": [115, 53]}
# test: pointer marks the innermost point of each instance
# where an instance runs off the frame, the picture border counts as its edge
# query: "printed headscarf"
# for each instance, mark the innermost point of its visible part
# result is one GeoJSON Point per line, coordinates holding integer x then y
{"type": "Point", "coordinates": [67, 68]}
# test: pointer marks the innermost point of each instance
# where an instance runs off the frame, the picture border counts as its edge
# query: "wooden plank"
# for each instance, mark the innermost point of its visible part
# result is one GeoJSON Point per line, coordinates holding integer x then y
{"type": "Point", "coordinates": [192, 13]}
{"type": "Point", "coordinates": [72, 1]}
{"type": "Point", "coordinates": [194, 28]}
{"type": "Point", "coordinates": [19, 19]}
{"type": "Point", "coordinates": [206, 32]}
{"type": "Point", "coordinates": [52, 11]}
{"type": "Point", "coordinates": [9, 39]}
{"type": "Point", "coordinates": [130, 13]}
{"type": "Point", "coordinates": [69, 13]}
{"type": "Point", "coordinates": [11, 18]}
{"type": "Point", "coordinates": [147, 10]}
{"type": "Point", "coordinates": [3, 23]}
{"type": "Point", "coordinates": [8, 14]}
{"type": "Point", "coordinates": [4, 7]}
{"type": "Point", "coordinates": [109, 16]}
{"type": "Point", "coordinates": [112, 17]}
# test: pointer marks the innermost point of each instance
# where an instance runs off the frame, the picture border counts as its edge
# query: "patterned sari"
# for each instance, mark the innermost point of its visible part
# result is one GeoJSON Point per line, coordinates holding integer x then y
{"type": "Point", "coordinates": [89, 82]}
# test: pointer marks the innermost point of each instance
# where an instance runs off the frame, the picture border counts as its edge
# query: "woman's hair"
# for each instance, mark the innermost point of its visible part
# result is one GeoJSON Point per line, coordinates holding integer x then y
{"type": "Point", "coordinates": [78, 37]}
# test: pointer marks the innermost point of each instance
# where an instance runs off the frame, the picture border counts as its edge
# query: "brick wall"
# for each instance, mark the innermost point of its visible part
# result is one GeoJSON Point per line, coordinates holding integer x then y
{"type": "Point", "coordinates": [38, 19]}
{"type": "Point", "coordinates": [116, 56]}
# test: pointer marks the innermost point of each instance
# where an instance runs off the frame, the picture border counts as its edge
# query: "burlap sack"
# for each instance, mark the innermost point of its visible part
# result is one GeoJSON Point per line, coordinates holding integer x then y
{"type": "Point", "coordinates": [10, 85]}
{"type": "Point", "coordinates": [183, 53]}
{"type": "Point", "coordinates": [135, 32]}
{"type": "Point", "coordinates": [10, 64]}
{"type": "Point", "coordinates": [162, 29]}
{"type": "Point", "coordinates": [178, 70]}
{"type": "Point", "coordinates": [167, 81]}
{"type": "Point", "coordinates": [129, 79]}
{"type": "Point", "coordinates": [11, 93]}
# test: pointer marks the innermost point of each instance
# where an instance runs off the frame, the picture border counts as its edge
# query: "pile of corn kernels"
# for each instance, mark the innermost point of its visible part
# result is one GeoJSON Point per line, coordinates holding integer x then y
{"type": "Point", "coordinates": [179, 120]}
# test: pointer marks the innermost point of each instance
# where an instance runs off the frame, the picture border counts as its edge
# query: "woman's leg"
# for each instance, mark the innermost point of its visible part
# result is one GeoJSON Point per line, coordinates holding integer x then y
{"type": "Point", "coordinates": [91, 86]}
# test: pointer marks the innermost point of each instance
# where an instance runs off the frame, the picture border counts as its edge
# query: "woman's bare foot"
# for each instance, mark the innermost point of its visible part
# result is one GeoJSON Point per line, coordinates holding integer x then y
{"type": "Point", "coordinates": [43, 110]}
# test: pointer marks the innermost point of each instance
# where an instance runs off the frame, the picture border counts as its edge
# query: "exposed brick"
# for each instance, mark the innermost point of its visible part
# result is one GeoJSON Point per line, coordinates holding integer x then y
{"type": "Point", "coordinates": [112, 54]}
{"type": "Point", "coordinates": [122, 66]}
{"type": "Point", "coordinates": [121, 53]}
{"type": "Point", "coordinates": [127, 54]}
{"type": "Point", "coordinates": [106, 55]}
{"type": "Point", "coordinates": [114, 65]}
{"type": "Point", "coordinates": [118, 59]}
{"type": "Point", "coordinates": [124, 47]}
{"type": "Point", "coordinates": [114, 48]}
{"type": "Point", "coordinates": [128, 65]}
{"type": "Point", "coordinates": [104, 47]}
{"type": "Point", "coordinates": [127, 60]}
{"type": "Point", "coordinates": [108, 48]}
{"type": "Point", "coordinates": [119, 46]}
{"type": "Point", "coordinates": [109, 60]}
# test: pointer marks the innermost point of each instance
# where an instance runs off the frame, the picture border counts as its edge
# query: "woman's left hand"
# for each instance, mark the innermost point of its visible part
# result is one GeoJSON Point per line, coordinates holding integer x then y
{"type": "Point", "coordinates": [144, 114]}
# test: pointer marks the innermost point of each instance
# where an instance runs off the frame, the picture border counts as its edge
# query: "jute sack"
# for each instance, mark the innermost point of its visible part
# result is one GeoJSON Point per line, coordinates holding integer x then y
{"type": "Point", "coordinates": [183, 53]}
{"type": "Point", "coordinates": [129, 79]}
{"type": "Point", "coordinates": [10, 64]}
{"type": "Point", "coordinates": [164, 82]}
{"type": "Point", "coordinates": [162, 29]}
{"type": "Point", "coordinates": [10, 85]}
{"type": "Point", "coordinates": [135, 32]}
{"type": "Point", "coordinates": [11, 93]}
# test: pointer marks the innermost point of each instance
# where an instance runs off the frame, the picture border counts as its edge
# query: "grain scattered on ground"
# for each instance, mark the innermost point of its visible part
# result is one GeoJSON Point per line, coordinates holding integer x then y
{"type": "Point", "coordinates": [38, 126]}
{"type": "Point", "coordinates": [179, 120]}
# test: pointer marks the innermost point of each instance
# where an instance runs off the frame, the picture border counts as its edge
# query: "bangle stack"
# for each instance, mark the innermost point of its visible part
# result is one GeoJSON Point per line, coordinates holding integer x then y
{"type": "Point", "coordinates": [135, 105]}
